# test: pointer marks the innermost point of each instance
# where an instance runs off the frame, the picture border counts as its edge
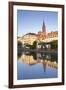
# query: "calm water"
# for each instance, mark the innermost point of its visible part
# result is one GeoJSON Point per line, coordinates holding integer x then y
{"type": "Point", "coordinates": [36, 65]}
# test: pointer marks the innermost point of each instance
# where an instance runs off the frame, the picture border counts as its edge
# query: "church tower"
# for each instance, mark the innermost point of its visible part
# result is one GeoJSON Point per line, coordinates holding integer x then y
{"type": "Point", "coordinates": [43, 27]}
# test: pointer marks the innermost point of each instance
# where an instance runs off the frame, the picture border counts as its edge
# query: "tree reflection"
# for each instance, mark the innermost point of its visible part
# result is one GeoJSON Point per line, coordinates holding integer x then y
{"type": "Point", "coordinates": [41, 56]}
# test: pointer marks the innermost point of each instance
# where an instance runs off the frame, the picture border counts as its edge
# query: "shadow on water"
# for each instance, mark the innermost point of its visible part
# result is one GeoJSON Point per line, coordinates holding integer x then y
{"type": "Point", "coordinates": [42, 55]}
{"type": "Point", "coordinates": [19, 54]}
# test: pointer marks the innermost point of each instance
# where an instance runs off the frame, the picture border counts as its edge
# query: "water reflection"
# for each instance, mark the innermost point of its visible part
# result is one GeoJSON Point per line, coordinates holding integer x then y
{"type": "Point", "coordinates": [32, 65]}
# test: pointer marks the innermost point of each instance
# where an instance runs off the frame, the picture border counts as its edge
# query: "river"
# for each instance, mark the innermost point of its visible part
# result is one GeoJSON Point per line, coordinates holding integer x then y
{"type": "Point", "coordinates": [32, 65]}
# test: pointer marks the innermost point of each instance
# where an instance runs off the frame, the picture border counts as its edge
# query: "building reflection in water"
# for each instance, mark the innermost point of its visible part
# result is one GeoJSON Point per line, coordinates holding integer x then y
{"type": "Point", "coordinates": [46, 59]}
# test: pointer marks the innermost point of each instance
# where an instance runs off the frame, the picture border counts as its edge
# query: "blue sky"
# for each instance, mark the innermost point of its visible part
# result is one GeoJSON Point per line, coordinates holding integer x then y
{"type": "Point", "coordinates": [31, 21]}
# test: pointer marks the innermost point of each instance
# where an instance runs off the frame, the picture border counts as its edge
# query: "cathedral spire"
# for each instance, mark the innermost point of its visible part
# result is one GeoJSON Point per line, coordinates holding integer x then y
{"type": "Point", "coordinates": [43, 27]}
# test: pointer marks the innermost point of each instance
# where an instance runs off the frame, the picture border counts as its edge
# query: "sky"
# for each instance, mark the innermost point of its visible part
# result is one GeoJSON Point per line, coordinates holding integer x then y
{"type": "Point", "coordinates": [32, 21]}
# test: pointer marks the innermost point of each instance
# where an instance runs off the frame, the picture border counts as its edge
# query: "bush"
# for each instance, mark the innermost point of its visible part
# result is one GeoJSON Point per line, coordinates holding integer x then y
{"type": "Point", "coordinates": [19, 44]}
{"type": "Point", "coordinates": [54, 44]}
{"type": "Point", "coordinates": [34, 45]}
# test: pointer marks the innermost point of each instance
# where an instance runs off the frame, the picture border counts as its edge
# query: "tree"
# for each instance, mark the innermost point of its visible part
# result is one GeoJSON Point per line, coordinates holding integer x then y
{"type": "Point", "coordinates": [19, 44]}
{"type": "Point", "coordinates": [54, 44]}
{"type": "Point", "coordinates": [34, 45]}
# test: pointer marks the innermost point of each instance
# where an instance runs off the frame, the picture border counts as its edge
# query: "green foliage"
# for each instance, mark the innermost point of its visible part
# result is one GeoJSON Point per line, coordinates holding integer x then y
{"type": "Point", "coordinates": [28, 45]}
{"type": "Point", "coordinates": [34, 45]}
{"type": "Point", "coordinates": [19, 43]}
{"type": "Point", "coordinates": [54, 44]}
